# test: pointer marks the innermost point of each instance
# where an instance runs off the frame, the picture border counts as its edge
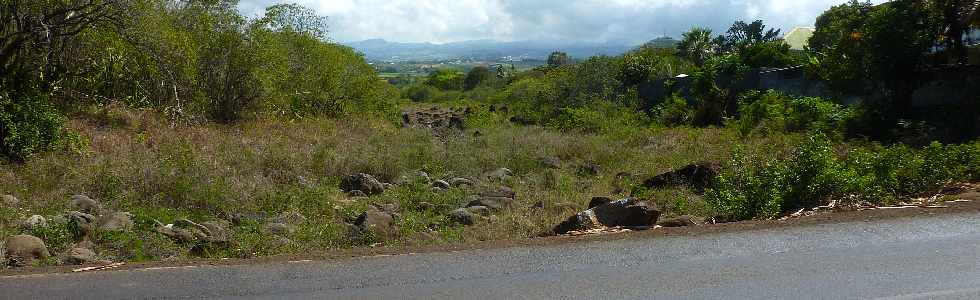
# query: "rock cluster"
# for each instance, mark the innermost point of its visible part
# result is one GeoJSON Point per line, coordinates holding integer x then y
{"type": "Point", "coordinates": [620, 213]}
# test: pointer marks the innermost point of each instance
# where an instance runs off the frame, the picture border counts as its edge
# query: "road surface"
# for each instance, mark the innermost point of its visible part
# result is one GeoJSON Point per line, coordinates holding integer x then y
{"type": "Point", "coordinates": [934, 257]}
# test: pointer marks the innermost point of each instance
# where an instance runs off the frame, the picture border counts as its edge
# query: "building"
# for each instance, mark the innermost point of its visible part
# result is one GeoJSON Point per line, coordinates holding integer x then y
{"type": "Point", "coordinates": [799, 37]}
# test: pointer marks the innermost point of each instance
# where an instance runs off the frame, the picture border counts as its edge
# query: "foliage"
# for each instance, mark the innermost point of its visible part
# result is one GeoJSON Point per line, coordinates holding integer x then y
{"type": "Point", "coordinates": [697, 45]}
{"type": "Point", "coordinates": [815, 175]}
{"type": "Point", "coordinates": [558, 58]}
{"type": "Point", "coordinates": [476, 76]}
{"type": "Point", "coordinates": [650, 63]}
{"type": "Point", "coordinates": [28, 125]}
{"type": "Point", "coordinates": [745, 35]}
{"type": "Point", "coordinates": [446, 79]}
{"type": "Point", "coordinates": [774, 111]}
{"type": "Point", "coordinates": [838, 45]}
{"type": "Point", "coordinates": [774, 54]}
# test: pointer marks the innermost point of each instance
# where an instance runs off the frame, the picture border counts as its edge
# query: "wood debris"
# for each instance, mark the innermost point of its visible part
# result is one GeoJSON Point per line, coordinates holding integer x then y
{"type": "Point", "coordinates": [99, 268]}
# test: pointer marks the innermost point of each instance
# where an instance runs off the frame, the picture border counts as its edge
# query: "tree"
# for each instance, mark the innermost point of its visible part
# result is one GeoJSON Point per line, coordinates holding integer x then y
{"type": "Point", "coordinates": [838, 46]}
{"type": "Point", "coordinates": [697, 45]}
{"type": "Point", "coordinates": [475, 77]}
{"type": "Point", "coordinates": [743, 35]}
{"type": "Point", "coordinates": [954, 17]}
{"type": "Point", "coordinates": [34, 33]}
{"type": "Point", "coordinates": [899, 35]}
{"type": "Point", "coordinates": [558, 58]}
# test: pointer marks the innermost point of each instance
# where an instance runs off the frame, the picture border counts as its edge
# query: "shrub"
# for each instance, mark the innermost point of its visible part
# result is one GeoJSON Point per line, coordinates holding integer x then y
{"type": "Point", "coordinates": [27, 125]}
{"type": "Point", "coordinates": [773, 111]}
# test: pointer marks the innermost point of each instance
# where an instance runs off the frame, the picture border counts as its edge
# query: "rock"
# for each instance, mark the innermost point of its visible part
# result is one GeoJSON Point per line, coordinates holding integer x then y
{"type": "Point", "coordinates": [35, 221]}
{"type": "Point", "coordinates": [387, 186]}
{"type": "Point", "coordinates": [120, 221]}
{"type": "Point", "coordinates": [22, 249]}
{"type": "Point", "coordinates": [362, 182]}
{"type": "Point", "coordinates": [442, 184]}
{"type": "Point", "coordinates": [597, 201]}
{"type": "Point", "coordinates": [625, 212]}
{"type": "Point", "coordinates": [279, 228]}
{"type": "Point", "coordinates": [178, 234]}
{"type": "Point", "coordinates": [218, 231]}
{"type": "Point", "coordinates": [495, 203]}
{"type": "Point", "coordinates": [247, 217]}
{"type": "Point", "coordinates": [499, 174]}
{"type": "Point", "coordinates": [85, 222]}
{"type": "Point", "coordinates": [426, 206]}
{"type": "Point", "coordinates": [9, 201]}
{"type": "Point", "coordinates": [377, 221]}
{"type": "Point", "coordinates": [681, 221]}
{"type": "Point", "coordinates": [479, 210]}
{"type": "Point", "coordinates": [357, 193]}
{"type": "Point", "coordinates": [550, 162]}
{"type": "Point", "coordinates": [458, 181]}
{"type": "Point", "coordinates": [503, 192]}
{"type": "Point", "coordinates": [465, 216]}
{"type": "Point", "coordinates": [564, 206]}
{"type": "Point", "coordinates": [290, 217]}
{"type": "Point", "coordinates": [80, 256]}
{"type": "Point", "coordinates": [697, 176]}
{"type": "Point", "coordinates": [85, 204]}
{"type": "Point", "coordinates": [589, 169]}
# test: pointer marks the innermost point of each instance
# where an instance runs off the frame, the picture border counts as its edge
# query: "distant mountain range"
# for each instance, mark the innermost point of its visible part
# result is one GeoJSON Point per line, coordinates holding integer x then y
{"type": "Point", "coordinates": [381, 50]}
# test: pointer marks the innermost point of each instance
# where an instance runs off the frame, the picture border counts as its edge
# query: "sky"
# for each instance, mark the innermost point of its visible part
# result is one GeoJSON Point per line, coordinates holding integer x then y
{"type": "Point", "coordinates": [614, 21]}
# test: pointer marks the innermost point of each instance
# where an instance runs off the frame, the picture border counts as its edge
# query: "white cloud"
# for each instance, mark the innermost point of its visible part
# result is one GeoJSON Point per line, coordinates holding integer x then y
{"type": "Point", "coordinates": [567, 20]}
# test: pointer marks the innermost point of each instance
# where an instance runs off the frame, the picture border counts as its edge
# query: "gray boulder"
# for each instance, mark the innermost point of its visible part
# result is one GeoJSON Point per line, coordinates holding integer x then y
{"type": "Point", "coordinates": [9, 201]}
{"type": "Point", "coordinates": [362, 182]}
{"type": "Point", "coordinates": [495, 203]}
{"type": "Point", "coordinates": [465, 216]}
{"type": "Point", "coordinates": [458, 181]}
{"type": "Point", "coordinates": [120, 221]}
{"type": "Point", "coordinates": [22, 249]}
{"type": "Point", "coordinates": [442, 184]}
{"type": "Point", "coordinates": [357, 194]}
{"type": "Point", "coordinates": [503, 192]}
{"type": "Point", "coordinates": [85, 204]}
{"type": "Point", "coordinates": [280, 229]}
{"type": "Point", "coordinates": [625, 212]}
{"type": "Point", "coordinates": [377, 221]}
{"type": "Point", "coordinates": [550, 162]}
{"type": "Point", "coordinates": [499, 174]}
{"type": "Point", "coordinates": [81, 256]}
{"type": "Point", "coordinates": [35, 221]}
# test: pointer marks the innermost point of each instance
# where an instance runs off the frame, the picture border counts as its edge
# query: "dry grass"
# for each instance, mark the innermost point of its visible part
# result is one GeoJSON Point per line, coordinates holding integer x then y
{"type": "Point", "coordinates": [138, 162]}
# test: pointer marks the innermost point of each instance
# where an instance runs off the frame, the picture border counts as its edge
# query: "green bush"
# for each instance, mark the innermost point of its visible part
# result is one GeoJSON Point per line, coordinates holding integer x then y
{"type": "Point", "coordinates": [27, 125]}
{"type": "Point", "coordinates": [773, 111]}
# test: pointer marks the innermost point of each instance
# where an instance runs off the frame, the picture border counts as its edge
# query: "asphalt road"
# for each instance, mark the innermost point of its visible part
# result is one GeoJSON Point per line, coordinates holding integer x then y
{"type": "Point", "coordinates": [912, 258]}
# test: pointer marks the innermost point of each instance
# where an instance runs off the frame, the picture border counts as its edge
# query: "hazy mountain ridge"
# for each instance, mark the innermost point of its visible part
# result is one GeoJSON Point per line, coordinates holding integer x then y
{"type": "Point", "coordinates": [382, 50]}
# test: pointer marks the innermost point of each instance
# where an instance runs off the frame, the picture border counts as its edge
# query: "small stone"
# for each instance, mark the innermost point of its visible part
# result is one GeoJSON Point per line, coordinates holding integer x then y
{"type": "Point", "coordinates": [85, 204]}
{"type": "Point", "coordinates": [502, 192]}
{"type": "Point", "coordinates": [218, 231]}
{"type": "Point", "coordinates": [363, 182]}
{"type": "Point", "coordinates": [80, 256]}
{"type": "Point", "coordinates": [426, 206]}
{"type": "Point", "coordinates": [357, 194]}
{"type": "Point", "coordinates": [464, 216]}
{"type": "Point", "coordinates": [35, 222]}
{"type": "Point", "coordinates": [22, 249]}
{"type": "Point", "coordinates": [495, 203]}
{"type": "Point", "coordinates": [458, 181]}
{"type": "Point", "coordinates": [378, 221]}
{"type": "Point", "coordinates": [9, 201]}
{"type": "Point", "coordinates": [550, 162]}
{"type": "Point", "coordinates": [681, 221]}
{"type": "Point", "coordinates": [499, 174]}
{"type": "Point", "coordinates": [480, 210]}
{"type": "Point", "coordinates": [589, 169]}
{"type": "Point", "coordinates": [120, 221]}
{"type": "Point", "coordinates": [442, 184]}
{"type": "Point", "coordinates": [279, 229]}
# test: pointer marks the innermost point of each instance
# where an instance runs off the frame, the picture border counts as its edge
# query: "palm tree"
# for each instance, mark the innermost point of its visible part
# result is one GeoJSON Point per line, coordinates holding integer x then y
{"type": "Point", "coordinates": [697, 45]}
